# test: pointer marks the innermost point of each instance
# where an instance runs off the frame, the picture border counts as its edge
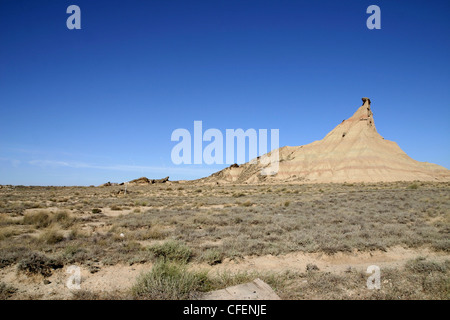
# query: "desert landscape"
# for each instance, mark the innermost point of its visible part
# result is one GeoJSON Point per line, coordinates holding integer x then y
{"type": "Point", "coordinates": [223, 159]}
{"type": "Point", "coordinates": [310, 241]}
{"type": "Point", "coordinates": [336, 207]}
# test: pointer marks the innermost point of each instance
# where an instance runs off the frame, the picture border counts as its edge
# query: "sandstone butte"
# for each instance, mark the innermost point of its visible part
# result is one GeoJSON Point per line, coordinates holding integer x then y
{"type": "Point", "coordinates": [352, 152]}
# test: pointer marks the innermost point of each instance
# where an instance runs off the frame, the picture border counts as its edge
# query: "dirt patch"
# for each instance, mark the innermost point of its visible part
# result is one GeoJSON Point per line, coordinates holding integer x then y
{"type": "Point", "coordinates": [118, 278]}
{"type": "Point", "coordinates": [339, 262]}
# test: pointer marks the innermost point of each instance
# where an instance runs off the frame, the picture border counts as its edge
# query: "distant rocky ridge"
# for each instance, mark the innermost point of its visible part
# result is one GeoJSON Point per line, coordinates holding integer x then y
{"type": "Point", "coordinates": [352, 152]}
{"type": "Point", "coordinates": [144, 180]}
{"type": "Point", "coordinates": [139, 181]}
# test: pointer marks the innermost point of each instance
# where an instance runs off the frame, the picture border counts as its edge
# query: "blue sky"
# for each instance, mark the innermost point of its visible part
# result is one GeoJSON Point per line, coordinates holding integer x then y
{"type": "Point", "coordinates": [82, 107]}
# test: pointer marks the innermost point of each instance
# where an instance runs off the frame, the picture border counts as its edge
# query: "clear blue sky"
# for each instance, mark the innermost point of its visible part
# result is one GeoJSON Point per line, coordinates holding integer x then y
{"type": "Point", "coordinates": [81, 107]}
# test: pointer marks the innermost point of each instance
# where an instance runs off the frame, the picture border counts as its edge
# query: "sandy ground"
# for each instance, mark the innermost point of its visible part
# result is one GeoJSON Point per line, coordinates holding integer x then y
{"type": "Point", "coordinates": [339, 262]}
{"type": "Point", "coordinates": [120, 278]}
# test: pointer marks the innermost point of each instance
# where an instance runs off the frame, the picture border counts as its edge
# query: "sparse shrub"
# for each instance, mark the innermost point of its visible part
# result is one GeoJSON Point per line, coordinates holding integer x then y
{"type": "Point", "coordinates": [321, 282]}
{"type": "Point", "coordinates": [421, 265]}
{"type": "Point", "coordinates": [6, 291]}
{"type": "Point", "coordinates": [9, 256]}
{"type": "Point", "coordinates": [116, 208]}
{"type": "Point", "coordinates": [96, 210]}
{"type": "Point", "coordinates": [36, 263]}
{"type": "Point", "coordinates": [155, 232]}
{"type": "Point", "coordinates": [311, 267]}
{"type": "Point", "coordinates": [172, 251]}
{"type": "Point", "coordinates": [5, 221]}
{"type": "Point", "coordinates": [73, 253]}
{"type": "Point", "coordinates": [51, 236]}
{"type": "Point", "coordinates": [32, 205]}
{"type": "Point", "coordinates": [170, 281]}
{"type": "Point", "coordinates": [227, 279]}
{"type": "Point", "coordinates": [6, 232]}
{"type": "Point", "coordinates": [413, 186]}
{"type": "Point", "coordinates": [442, 245]}
{"type": "Point", "coordinates": [212, 256]}
{"type": "Point", "coordinates": [287, 203]}
{"type": "Point", "coordinates": [62, 217]}
{"type": "Point", "coordinates": [41, 219]}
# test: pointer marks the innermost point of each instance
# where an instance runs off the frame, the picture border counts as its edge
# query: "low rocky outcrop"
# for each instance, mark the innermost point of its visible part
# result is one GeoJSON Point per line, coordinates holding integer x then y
{"type": "Point", "coordinates": [142, 180]}
{"type": "Point", "coordinates": [109, 184]}
{"type": "Point", "coordinates": [146, 181]}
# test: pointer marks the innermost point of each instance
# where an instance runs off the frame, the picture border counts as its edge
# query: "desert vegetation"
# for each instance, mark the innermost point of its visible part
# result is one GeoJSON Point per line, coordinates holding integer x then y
{"type": "Point", "coordinates": [181, 234]}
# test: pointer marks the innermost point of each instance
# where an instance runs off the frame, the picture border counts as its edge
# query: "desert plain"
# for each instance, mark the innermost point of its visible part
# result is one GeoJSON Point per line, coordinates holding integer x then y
{"type": "Point", "coordinates": [179, 240]}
